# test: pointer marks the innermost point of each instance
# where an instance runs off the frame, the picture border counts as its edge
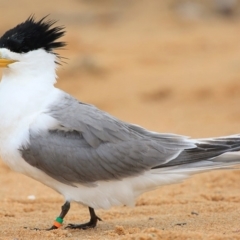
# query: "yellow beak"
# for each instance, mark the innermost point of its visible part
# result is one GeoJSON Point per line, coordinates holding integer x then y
{"type": "Point", "coordinates": [5, 62]}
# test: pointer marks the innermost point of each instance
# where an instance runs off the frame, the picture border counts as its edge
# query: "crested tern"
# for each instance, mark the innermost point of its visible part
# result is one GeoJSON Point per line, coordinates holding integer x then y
{"type": "Point", "coordinates": [85, 154]}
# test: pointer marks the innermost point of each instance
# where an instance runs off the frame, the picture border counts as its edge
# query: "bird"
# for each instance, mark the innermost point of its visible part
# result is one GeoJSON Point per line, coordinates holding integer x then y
{"type": "Point", "coordinates": [85, 154]}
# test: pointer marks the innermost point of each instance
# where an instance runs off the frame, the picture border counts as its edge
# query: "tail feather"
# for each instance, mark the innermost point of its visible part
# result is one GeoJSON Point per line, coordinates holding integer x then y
{"type": "Point", "coordinates": [209, 150]}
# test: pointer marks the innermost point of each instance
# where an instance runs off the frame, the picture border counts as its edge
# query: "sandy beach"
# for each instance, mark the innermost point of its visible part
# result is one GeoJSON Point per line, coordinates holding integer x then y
{"type": "Point", "coordinates": [152, 63]}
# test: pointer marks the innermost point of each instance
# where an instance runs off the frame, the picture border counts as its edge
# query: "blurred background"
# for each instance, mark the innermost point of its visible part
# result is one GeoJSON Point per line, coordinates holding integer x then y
{"type": "Point", "coordinates": [167, 65]}
{"type": "Point", "coordinates": [170, 66]}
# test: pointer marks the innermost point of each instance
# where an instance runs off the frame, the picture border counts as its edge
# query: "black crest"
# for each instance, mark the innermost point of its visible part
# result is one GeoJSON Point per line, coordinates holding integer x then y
{"type": "Point", "coordinates": [32, 35]}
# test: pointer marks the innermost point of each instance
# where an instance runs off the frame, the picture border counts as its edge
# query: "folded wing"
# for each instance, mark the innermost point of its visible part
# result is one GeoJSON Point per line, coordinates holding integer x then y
{"type": "Point", "coordinates": [89, 145]}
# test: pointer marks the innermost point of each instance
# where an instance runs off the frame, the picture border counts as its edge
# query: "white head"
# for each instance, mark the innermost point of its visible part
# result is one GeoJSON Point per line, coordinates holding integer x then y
{"type": "Point", "coordinates": [27, 50]}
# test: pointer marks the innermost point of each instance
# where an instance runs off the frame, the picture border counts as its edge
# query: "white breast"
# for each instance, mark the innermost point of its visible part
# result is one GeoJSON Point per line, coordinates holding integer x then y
{"type": "Point", "coordinates": [21, 103]}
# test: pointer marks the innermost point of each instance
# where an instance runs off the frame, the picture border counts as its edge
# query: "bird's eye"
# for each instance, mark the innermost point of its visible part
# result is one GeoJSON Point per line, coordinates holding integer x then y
{"type": "Point", "coordinates": [24, 49]}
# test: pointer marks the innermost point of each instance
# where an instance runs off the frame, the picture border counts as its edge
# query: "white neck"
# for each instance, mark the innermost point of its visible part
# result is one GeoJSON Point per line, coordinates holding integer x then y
{"type": "Point", "coordinates": [26, 85]}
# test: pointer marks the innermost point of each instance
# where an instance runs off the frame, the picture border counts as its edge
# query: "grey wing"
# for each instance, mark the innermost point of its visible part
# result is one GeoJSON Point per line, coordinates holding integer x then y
{"type": "Point", "coordinates": [90, 145]}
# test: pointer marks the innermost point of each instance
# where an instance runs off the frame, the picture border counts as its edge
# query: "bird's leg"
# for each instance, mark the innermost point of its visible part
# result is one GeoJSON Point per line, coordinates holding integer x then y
{"type": "Point", "coordinates": [91, 224]}
{"type": "Point", "coordinates": [59, 220]}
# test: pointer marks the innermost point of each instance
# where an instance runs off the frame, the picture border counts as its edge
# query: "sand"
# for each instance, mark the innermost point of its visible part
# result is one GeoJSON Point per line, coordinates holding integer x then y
{"type": "Point", "coordinates": [158, 65]}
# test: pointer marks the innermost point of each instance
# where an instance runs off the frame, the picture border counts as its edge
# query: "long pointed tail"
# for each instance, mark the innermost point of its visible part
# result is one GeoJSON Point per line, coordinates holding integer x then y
{"type": "Point", "coordinates": [210, 153]}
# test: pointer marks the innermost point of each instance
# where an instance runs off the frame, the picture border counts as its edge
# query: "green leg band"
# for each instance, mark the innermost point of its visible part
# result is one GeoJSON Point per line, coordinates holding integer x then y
{"type": "Point", "coordinates": [59, 220]}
